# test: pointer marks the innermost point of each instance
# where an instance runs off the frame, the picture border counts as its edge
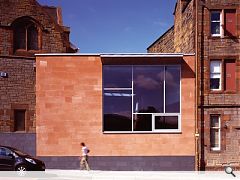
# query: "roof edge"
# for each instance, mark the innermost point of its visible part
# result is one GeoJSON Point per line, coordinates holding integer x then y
{"type": "Point", "coordinates": [172, 27]}
{"type": "Point", "coordinates": [120, 54]}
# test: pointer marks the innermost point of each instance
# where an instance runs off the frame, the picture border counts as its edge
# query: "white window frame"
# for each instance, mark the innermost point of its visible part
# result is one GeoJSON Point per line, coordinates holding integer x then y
{"type": "Point", "coordinates": [167, 130]}
{"type": "Point", "coordinates": [154, 130]}
{"type": "Point", "coordinates": [220, 81]}
{"type": "Point", "coordinates": [219, 132]}
{"type": "Point", "coordinates": [220, 23]}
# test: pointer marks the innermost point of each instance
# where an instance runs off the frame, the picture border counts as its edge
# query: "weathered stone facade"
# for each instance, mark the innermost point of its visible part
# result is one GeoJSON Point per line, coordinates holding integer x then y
{"type": "Point", "coordinates": [17, 90]}
{"type": "Point", "coordinates": [163, 44]}
{"type": "Point", "coordinates": [224, 103]}
{"type": "Point", "coordinates": [180, 37]}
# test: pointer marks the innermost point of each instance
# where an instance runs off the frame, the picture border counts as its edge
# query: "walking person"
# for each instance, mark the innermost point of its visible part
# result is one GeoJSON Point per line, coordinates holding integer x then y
{"type": "Point", "coordinates": [84, 159]}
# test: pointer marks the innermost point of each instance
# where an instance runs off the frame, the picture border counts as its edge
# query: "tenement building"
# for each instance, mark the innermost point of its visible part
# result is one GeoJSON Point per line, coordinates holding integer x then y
{"type": "Point", "coordinates": [26, 28]}
{"type": "Point", "coordinates": [211, 29]}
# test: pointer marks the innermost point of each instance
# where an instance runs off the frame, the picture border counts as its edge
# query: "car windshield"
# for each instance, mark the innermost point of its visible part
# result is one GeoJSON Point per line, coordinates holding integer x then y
{"type": "Point", "coordinates": [19, 152]}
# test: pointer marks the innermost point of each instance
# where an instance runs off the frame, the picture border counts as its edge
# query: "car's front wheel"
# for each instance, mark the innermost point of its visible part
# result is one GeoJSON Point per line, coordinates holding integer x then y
{"type": "Point", "coordinates": [21, 170]}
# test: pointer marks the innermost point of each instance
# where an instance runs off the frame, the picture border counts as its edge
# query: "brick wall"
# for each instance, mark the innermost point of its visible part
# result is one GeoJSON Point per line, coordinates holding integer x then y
{"type": "Point", "coordinates": [181, 37]}
{"type": "Point", "coordinates": [165, 44]}
{"type": "Point", "coordinates": [223, 103]}
{"type": "Point", "coordinates": [18, 90]}
{"type": "Point", "coordinates": [184, 25]}
{"type": "Point", "coordinates": [53, 38]}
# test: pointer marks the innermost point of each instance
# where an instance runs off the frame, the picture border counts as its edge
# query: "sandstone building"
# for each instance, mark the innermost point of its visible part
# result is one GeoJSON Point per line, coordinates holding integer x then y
{"type": "Point", "coordinates": [26, 28]}
{"type": "Point", "coordinates": [211, 30]}
{"type": "Point", "coordinates": [134, 111]}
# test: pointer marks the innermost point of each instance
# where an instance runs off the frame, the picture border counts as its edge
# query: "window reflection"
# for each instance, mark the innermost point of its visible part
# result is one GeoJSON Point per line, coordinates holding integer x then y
{"type": "Point", "coordinates": [145, 94]}
{"type": "Point", "coordinates": [148, 88]}
{"type": "Point", "coordinates": [117, 76]}
{"type": "Point", "coordinates": [117, 111]}
{"type": "Point", "coordinates": [172, 78]}
{"type": "Point", "coordinates": [142, 122]}
{"type": "Point", "coordinates": [166, 122]}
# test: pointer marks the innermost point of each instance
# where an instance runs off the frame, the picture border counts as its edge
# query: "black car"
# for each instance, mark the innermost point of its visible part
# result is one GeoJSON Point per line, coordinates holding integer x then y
{"type": "Point", "coordinates": [12, 159]}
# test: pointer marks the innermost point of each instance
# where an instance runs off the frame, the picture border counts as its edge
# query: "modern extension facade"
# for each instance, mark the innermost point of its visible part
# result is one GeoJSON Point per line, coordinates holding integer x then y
{"type": "Point", "coordinates": [26, 28]}
{"type": "Point", "coordinates": [211, 29]}
{"type": "Point", "coordinates": [134, 111]}
{"type": "Point", "coordinates": [174, 108]}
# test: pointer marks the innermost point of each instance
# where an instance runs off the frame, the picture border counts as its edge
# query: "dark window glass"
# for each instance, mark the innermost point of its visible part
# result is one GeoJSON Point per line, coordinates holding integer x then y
{"type": "Point", "coordinates": [148, 89]}
{"type": "Point", "coordinates": [20, 38]}
{"type": "Point", "coordinates": [172, 95]}
{"type": "Point", "coordinates": [3, 152]}
{"type": "Point", "coordinates": [117, 111]}
{"type": "Point", "coordinates": [215, 22]}
{"type": "Point", "coordinates": [166, 122]}
{"type": "Point", "coordinates": [117, 76]}
{"type": "Point", "coordinates": [214, 83]}
{"type": "Point", "coordinates": [19, 119]}
{"type": "Point", "coordinates": [32, 38]}
{"type": "Point", "coordinates": [215, 29]}
{"type": "Point", "coordinates": [215, 16]}
{"type": "Point", "coordinates": [142, 122]}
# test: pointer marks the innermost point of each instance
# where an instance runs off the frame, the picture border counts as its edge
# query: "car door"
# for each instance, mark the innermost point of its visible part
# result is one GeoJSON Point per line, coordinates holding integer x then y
{"type": "Point", "coordinates": [6, 159]}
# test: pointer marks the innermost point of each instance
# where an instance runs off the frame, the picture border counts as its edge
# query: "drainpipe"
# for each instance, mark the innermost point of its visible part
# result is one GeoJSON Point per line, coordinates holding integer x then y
{"type": "Point", "coordinates": [197, 157]}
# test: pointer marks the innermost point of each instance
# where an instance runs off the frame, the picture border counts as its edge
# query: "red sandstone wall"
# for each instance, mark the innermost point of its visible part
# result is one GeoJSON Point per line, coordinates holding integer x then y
{"type": "Point", "coordinates": [69, 111]}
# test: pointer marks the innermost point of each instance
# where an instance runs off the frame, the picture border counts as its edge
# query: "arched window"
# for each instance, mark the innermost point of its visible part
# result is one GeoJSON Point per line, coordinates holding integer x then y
{"type": "Point", "coordinates": [25, 35]}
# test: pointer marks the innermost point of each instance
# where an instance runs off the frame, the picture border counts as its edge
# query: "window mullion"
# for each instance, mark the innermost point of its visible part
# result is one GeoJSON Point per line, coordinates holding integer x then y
{"type": "Point", "coordinates": [164, 89]}
{"type": "Point", "coordinates": [26, 39]}
{"type": "Point", "coordinates": [132, 102]}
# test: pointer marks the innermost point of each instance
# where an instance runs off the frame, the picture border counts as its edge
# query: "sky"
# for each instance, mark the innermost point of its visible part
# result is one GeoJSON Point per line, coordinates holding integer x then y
{"type": "Point", "coordinates": [115, 26]}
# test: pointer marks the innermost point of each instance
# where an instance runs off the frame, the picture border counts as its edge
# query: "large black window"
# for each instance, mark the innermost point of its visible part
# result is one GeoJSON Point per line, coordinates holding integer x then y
{"type": "Point", "coordinates": [25, 36]}
{"type": "Point", "coordinates": [141, 98]}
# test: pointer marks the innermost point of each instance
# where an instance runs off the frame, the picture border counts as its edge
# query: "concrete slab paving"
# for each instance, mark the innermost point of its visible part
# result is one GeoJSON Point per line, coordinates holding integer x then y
{"type": "Point", "coordinates": [119, 175]}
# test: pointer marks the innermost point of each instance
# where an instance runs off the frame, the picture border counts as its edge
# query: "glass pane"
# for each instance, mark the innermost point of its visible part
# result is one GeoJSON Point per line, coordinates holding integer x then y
{"type": "Point", "coordinates": [117, 76]}
{"type": "Point", "coordinates": [3, 152]}
{"type": "Point", "coordinates": [215, 66]}
{"type": "Point", "coordinates": [214, 137]}
{"type": "Point", "coordinates": [215, 28]}
{"type": "Point", "coordinates": [216, 75]}
{"type": "Point", "coordinates": [215, 83]}
{"type": "Point", "coordinates": [215, 121]}
{"type": "Point", "coordinates": [117, 111]}
{"type": "Point", "coordinates": [215, 16]}
{"type": "Point", "coordinates": [20, 38]}
{"type": "Point", "coordinates": [148, 89]}
{"type": "Point", "coordinates": [166, 122]}
{"type": "Point", "coordinates": [32, 40]}
{"type": "Point", "coordinates": [172, 94]}
{"type": "Point", "coordinates": [142, 122]}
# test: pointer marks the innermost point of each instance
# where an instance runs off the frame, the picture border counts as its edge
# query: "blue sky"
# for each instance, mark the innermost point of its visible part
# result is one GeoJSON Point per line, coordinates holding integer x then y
{"type": "Point", "coordinates": [115, 26]}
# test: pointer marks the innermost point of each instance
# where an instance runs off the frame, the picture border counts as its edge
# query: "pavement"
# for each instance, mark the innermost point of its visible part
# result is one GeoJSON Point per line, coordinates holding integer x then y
{"type": "Point", "coordinates": [118, 175]}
